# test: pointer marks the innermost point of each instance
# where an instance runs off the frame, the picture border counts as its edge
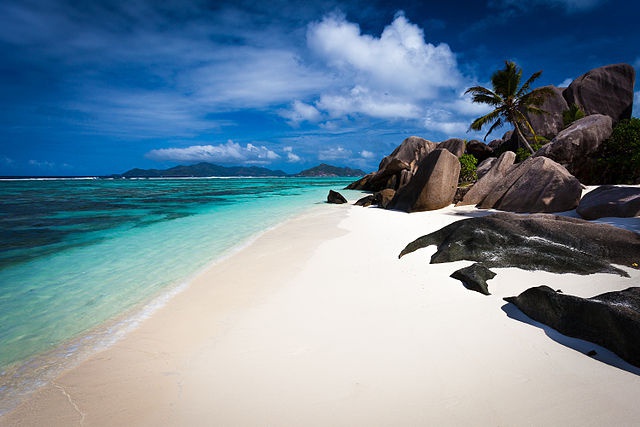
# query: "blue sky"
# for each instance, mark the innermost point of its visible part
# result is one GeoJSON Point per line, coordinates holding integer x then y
{"type": "Point", "coordinates": [100, 87]}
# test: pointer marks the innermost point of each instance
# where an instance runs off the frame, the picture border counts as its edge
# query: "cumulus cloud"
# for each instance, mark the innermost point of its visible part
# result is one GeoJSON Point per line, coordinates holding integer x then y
{"type": "Point", "coordinates": [230, 152]}
{"type": "Point", "coordinates": [365, 154]}
{"type": "Point", "coordinates": [291, 156]}
{"type": "Point", "coordinates": [566, 82]}
{"type": "Point", "coordinates": [384, 77]}
{"type": "Point", "coordinates": [301, 112]}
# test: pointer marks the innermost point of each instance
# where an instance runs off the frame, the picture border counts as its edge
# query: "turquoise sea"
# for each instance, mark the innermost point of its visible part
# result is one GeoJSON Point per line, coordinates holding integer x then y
{"type": "Point", "coordinates": [83, 260]}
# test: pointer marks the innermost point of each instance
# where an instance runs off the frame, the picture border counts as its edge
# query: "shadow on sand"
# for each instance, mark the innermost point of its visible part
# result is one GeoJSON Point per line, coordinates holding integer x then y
{"type": "Point", "coordinates": [602, 354]}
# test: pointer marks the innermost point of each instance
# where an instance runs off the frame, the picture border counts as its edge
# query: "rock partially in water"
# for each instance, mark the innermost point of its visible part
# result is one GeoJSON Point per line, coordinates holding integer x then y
{"type": "Point", "coordinates": [335, 197]}
{"type": "Point", "coordinates": [534, 242]}
{"type": "Point", "coordinates": [475, 277]}
{"type": "Point", "coordinates": [611, 320]}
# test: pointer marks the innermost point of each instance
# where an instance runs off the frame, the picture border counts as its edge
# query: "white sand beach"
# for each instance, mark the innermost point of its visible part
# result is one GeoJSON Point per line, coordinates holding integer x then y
{"type": "Point", "coordinates": [319, 323]}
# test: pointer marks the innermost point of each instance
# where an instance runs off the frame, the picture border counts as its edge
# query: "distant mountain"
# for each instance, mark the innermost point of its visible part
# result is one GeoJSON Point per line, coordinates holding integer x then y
{"type": "Point", "coordinates": [328, 170]}
{"type": "Point", "coordinates": [202, 170]}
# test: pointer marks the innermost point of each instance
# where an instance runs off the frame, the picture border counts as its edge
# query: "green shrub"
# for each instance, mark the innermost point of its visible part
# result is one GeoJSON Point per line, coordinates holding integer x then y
{"type": "Point", "coordinates": [620, 154]}
{"type": "Point", "coordinates": [523, 153]}
{"type": "Point", "coordinates": [468, 169]}
{"type": "Point", "coordinates": [571, 115]}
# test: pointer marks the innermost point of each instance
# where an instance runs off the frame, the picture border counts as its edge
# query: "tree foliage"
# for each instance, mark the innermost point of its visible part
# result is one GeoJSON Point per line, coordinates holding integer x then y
{"type": "Point", "coordinates": [510, 101]}
{"type": "Point", "coordinates": [468, 169]}
{"type": "Point", "coordinates": [571, 115]}
{"type": "Point", "coordinates": [620, 154]}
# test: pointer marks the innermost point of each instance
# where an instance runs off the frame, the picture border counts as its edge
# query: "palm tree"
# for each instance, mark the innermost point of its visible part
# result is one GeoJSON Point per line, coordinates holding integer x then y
{"type": "Point", "coordinates": [510, 101]}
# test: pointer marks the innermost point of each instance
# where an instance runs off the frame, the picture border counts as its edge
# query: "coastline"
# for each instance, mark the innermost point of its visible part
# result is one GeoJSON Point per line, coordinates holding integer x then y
{"type": "Point", "coordinates": [316, 322]}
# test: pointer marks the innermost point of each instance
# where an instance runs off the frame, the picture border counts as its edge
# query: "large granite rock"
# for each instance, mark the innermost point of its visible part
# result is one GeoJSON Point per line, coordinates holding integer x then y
{"type": "Point", "coordinates": [433, 186]}
{"type": "Point", "coordinates": [479, 150]}
{"type": "Point", "coordinates": [606, 90]}
{"type": "Point", "coordinates": [335, 197]}
{"type": "Point", "coordinates": [384, 197]}
{"type": "Point", "coordinates": [611, 320]}
{"type": "Point", "coordinates": [572, 146]}
{"type": "Point", "coordinates": [534, 242]}
{"type": "Point", "coordinates": [485, 166]}
{"type": "Point", "coordinates": [475, 277]}
{"type": "Point", "coordinates": [610, 201]}
{"type": "Point", "coordinates": [536, 185]}
{"type": "Point", "coordinates": [550, 124]}
{"type": "Point", "coordinates": [455, 145]}
{"type": "Point", "coordinates": [397, 169]}
{"type": "Point", "coordinates": [489, 180]}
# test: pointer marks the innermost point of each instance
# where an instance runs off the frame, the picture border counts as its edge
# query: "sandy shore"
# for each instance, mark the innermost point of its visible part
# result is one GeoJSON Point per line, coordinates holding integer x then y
{"type": "Point", "coordinates": [319, 323]}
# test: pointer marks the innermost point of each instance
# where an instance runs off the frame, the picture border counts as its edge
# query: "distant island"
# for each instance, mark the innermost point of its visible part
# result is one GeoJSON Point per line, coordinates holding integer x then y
{"type": "Point", "coordinates": [203, 169]}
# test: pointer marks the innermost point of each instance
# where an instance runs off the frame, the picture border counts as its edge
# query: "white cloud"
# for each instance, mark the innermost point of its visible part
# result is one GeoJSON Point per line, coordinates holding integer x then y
{"type": "Point", "coordinates": [566, 82]}
{"type": "Point", "coordinates": [301, 112]}
{"type": "Point", "coordinates": [230, 152]}
{"type": "Point", "coordinates": [337, 153]}
{"type": "Point", "coordinates": [291, 156]}
{"type": "Point", "coordinates": [444, 121]}
{"type": "Point", "coordinates": [367, 154]}
{"type": "Point", "coordinates": [390, 76]}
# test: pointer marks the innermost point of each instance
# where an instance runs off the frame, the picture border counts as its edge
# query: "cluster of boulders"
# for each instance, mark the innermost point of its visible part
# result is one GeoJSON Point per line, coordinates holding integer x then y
{"type": "Point", "coordinates": [422, 175]}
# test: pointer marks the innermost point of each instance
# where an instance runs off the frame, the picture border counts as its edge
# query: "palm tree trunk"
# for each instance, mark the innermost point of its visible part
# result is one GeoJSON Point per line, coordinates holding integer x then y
{"type": "Point", "coordinates": [522, 139]}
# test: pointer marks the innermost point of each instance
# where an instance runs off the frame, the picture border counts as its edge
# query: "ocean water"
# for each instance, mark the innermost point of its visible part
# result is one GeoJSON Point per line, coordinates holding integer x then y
{"type": "Point", "coordinates": [77, 254]}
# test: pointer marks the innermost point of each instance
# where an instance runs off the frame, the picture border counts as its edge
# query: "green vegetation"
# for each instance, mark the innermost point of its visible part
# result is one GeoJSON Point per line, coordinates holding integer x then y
{"type": "Point", "coordinates": [571, 115]}
{"type": "Point", "coordinates": [468, 169]}
{"type": "Point", "coordinates": [619, 158]}
{"type": "Point", "coordinates": [510, 101]}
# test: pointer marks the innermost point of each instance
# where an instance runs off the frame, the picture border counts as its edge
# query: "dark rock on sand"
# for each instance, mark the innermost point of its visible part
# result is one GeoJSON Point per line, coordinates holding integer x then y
{"type": "Point", "coordinates": [572, 146]}
{"type": "Point", "coordinates": [606, 90]}
{"type": "Point", "coordinates": [384, 197]}
{"type": "Point", "coordinates": [397, 169]}
{"type": "Point", "coordinates": [611, 320]}
{"type": "Point", "coordinates": [489, 180]}
{"type": "Point", "coordinates": [610, 201]}
{"type": "Point", "coordinates": [433, 186]}
{"type": "Point", "coordinates": [335, 197]}
{"type": "Point", "coordinates": [534, 242]}
{"type": "Point", "coordinates": [536, 185]}
{"type": "Point", "coordinates": [475, 277]}
{"type": "Point", "coordinates": [366, 201]}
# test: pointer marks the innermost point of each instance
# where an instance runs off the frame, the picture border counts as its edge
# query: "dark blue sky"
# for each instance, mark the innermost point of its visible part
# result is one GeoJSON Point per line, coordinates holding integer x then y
{"type": "Point", "coordinates": [100, 87]}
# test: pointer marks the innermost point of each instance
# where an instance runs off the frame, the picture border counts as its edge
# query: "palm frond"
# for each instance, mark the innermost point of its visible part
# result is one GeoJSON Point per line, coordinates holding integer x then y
{"type": "Point", "coordinates": [498, 124]}
{"type": "Point", "coordinates": [526, 87]}
{"type": "Point", "coordinates": [480, 122]}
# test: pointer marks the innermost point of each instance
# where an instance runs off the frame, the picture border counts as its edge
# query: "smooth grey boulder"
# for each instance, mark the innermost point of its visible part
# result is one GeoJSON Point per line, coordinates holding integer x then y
{"type": "Point", "coordinates": [606, 90]}
{"type": "Point", "coordinates": [551, 123]}
{"type": "Point", "coordinates": [455, 145]}
{"type": "Point", "coordinates": [396, 169]}
{"type": "Point", "coordinates": [534, 242]}
{"type": "Point", "coordinates": [536, 185]}
{"type": "Point", "coordinates": [485, 166]}
{"type": "Point", "coordinates": [335, 197]}
{"type": "Point", "coordinates": [475, 277]}
{"type": "Point", "coordinates": [572, 146]}
{"type": "Point", "coordinates": [610, 201]}
{"type": "Point", "coordinates": [489, 180]}
{"type": "Point", "coordinates": [433, 186]}
{"type": "Point", "coordinates": [611, 320]}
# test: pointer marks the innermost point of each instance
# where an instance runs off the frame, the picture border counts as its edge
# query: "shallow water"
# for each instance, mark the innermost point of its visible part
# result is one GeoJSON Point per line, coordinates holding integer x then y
{"type": "Point", "coordinates": [76, 253]}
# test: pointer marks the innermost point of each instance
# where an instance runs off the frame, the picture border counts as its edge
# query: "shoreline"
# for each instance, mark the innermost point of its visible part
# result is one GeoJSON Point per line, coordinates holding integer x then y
{"type": "Point", "coordinates": [317, 322]}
